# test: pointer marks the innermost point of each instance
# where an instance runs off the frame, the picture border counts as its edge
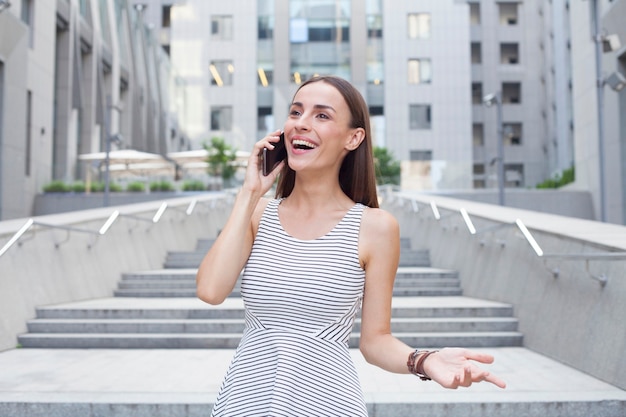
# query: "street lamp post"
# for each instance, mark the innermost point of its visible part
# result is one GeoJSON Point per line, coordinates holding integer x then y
{"type": "Point", "coordinates": [489, 100]}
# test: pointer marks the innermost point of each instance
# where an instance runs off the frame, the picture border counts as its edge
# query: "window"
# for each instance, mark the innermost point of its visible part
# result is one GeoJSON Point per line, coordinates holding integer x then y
{"type": "Point", "coordinates": [419, 116]}
{"type": "Point", "coordinates": [511, 93]}
{"type": "Point", "coordinates": [221, 73]}
{"type": "Point", "coordinates": [512, 133]}
{"type": "Point", "coordinates": [222, 118]}
{"type": "Point", "coordinates": [513, 175]}
{"type": "Point", "coordinates": [418, 25]}
{"type": "Point", "coordinates": [508, 13]}
{"type": "Point", "coordinates": [474, 14]}
{"type": "Point", "coordinates": [28, 17]}
{"type": "Point", "coordinates": [166, 13]}
{"type": "Point", "coordinates": [375, 26]}
{"type": "Point", "coordinates": [476, 53]}
{"type": "Point", "coordinates": [266, 27]}
{"type": "Point", "coordinates": [222, 28]}
{"type": "Point", "coordinates": [419, 71]}
{"type": "Point", "coordinates": [265, 76]}
{"type": "Point", "coordinates": [265, 120]}
{"type": "Point", "coordinates": [478, 134]}
{"type": "Point", "coordinates": [421, 155]}
{"type": "Point", "coordinates": [509, 53]}
{"type": "Point", "coordinates": [477, 93]}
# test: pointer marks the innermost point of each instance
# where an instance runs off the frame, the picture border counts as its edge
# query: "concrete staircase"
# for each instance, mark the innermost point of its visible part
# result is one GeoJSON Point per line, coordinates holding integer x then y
{"type": "Point", "coordinates": [427, 311]}
{"type": "Point", "coordinates": [156, 350]}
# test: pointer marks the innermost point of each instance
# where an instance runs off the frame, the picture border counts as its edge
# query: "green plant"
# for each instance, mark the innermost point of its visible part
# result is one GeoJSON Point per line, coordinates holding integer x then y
{"type": "Point", "coordinates": [56, 186]}
{"type": "Point", "coordinates": [567, 176]}
{"type": "Point", "coordinates": [220, 159]}
{"type": "Point", "coordinates": [78, 187]}
{"type": "Point", "coordinates": [387, 169]}
{"type": "Point", "coordinates": [193, 185]}
{"type": "Point", "coordinates": [135, 187]}
{"type": "Point", "coordinates": [161, 186]}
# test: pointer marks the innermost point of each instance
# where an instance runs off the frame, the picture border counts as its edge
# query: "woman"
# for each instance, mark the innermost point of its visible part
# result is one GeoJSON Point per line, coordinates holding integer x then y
{"type": "Point", "coordinates": [313, 257]}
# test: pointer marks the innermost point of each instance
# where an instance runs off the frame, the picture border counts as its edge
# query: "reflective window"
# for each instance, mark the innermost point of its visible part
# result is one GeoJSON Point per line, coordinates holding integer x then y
{"type": "Point", "coordinates": [222, 28]}
{"type": "Point", "coordinates": [419, 116]}
{"type": "Point", "coordinates": [221, 72]}
{"type": "Point", "coordinates": [420, 71]}
{"type": "Point", "coordinates": [222, 118]}
{"type": "Point", "coordinates": [419, 25]}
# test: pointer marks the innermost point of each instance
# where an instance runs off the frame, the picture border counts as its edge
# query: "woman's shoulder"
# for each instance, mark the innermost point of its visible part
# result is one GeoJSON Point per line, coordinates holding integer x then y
{"type": "Point", "coordinates": [377, 221]}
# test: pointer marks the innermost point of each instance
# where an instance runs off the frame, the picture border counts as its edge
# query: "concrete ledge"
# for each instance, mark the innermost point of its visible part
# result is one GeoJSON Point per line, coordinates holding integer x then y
{"type": "Point", "coordinates": [569, 315]}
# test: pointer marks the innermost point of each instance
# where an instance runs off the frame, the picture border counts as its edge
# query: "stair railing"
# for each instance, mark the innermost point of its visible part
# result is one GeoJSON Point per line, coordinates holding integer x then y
{"type": "Point", "coordinates": [602, 278]}
{"type": "Point", "coordinates": [32, 224]}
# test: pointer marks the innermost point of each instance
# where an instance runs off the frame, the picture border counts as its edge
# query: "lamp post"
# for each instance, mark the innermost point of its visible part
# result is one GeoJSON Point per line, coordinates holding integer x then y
{"type": "Point", "coordinates": [489, 100]}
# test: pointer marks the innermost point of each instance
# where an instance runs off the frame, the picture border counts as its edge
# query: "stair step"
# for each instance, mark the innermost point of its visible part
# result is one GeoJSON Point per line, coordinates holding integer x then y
{"type": "Point", "coordinates": [231, 340]}
{"type": "Point", "coordinates": [187, 326]}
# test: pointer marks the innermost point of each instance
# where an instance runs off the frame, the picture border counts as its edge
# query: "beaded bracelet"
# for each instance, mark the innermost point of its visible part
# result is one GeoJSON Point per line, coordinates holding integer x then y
{"type": "Point", "coordinates": [418, 368]}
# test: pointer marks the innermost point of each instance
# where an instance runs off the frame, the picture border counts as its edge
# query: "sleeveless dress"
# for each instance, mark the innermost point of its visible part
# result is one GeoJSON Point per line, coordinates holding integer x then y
{"type": "Point", "coordinates": [301, 298]}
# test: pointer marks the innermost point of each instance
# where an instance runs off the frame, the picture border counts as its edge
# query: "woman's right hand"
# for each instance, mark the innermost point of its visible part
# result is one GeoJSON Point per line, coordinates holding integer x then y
{"type": "Point", "coordinates": [255, 181]}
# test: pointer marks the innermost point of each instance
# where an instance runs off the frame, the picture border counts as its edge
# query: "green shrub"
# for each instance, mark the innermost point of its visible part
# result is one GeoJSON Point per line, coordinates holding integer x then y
{"type": "Point", "coordinates": [161, 186]}
{"type": "Point", "coordinates": [78, 187]}
{"type": "Point", "coordinates": [56, 186]}
{"type": "Point", "coordinates": [135, 187]}
{"type": "Point", "coordinates": [193, 185]}
{"type": "Point", "coordinates": [559, 180]}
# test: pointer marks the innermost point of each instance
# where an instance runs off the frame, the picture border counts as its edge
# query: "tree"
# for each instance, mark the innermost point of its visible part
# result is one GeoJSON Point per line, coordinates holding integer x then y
{"type": "Point", "coordinates": [387, 169]}
{"type": "Point", "coordinates": [220, 159]}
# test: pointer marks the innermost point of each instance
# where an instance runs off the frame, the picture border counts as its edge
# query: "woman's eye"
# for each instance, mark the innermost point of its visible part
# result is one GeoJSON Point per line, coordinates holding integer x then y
{"type": "Point", "coordinates": [322, 116]}
{"type": "Point", "coordinates": [294, 113]}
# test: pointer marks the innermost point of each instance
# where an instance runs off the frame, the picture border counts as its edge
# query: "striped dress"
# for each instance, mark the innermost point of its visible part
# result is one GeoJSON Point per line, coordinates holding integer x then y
{"type": "Point", "coordinates": [301, 299]}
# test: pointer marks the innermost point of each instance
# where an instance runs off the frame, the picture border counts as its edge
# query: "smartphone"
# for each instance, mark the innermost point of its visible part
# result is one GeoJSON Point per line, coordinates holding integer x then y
{"type": "Point", "coordinates": [271, 158]}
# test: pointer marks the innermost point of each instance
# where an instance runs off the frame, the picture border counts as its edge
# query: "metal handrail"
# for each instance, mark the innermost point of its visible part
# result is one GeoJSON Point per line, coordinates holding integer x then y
{"type": "Point", "coordinates": [102, 231]}
{"type": "Point", "coordinates": [584, 256]}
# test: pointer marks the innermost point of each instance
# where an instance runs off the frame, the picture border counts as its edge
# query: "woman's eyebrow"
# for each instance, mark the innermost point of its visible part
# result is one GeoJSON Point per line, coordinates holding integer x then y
{"type": "Point", "coordinates": [317, 106]}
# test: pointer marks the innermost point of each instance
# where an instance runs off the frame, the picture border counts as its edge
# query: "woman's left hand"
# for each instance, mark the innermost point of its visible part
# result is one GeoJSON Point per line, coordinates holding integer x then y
{"type": "Point", "coordinates": [456, 367]}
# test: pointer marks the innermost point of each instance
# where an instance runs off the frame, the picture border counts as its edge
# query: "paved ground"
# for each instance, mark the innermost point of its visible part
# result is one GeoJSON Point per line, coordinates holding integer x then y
{"type": "Point", "coordinates": [194, 376]}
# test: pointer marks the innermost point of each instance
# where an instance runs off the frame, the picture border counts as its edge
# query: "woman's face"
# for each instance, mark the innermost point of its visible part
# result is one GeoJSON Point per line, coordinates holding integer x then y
{"type": "Point", "coordinates": [317, 131]}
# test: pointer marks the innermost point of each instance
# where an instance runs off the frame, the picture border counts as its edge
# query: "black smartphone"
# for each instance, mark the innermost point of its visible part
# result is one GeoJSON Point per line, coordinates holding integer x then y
{"type": "Point", "coordinates": [271, 158]}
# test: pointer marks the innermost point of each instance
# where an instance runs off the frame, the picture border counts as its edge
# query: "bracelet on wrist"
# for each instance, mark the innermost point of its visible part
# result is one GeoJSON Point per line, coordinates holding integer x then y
{"type": "Point", "coordinates": [415, 363]}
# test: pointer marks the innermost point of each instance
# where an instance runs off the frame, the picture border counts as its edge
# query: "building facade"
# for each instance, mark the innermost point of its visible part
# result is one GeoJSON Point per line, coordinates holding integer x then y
{"type": "Point", "coordinates": [75, 74]}
{"type": "Point", "coordinates": [426, 69]}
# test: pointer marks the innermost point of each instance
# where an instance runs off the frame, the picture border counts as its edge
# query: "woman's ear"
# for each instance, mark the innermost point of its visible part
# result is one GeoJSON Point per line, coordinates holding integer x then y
{"type": "Point", "coordinates": [358, 135]}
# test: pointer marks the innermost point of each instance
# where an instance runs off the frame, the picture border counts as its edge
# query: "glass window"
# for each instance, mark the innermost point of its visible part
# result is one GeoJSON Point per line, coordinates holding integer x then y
{"type": "Point", "coordinates": [419, 116]}
{"type": "Point", "coordinates": [266, 76]}
{"type": "Point", "coordinates": [474, 14]}
{"type": "Point", "coordinates": [28, 17]}
{"type": "Point", "coordinates": [509, 53]}
{"type": "Point", "coordinates": [266, 27]}
{"type": "Point", "coordinates": [512, 134]}
{"type": "Point", "coordinates": [222, 118]}
{"type": "Point", "coordinates": [478, 134]}
{"type": "Point", "coordinates": [221, 73]}
{"type": "Point", "coordinates": [420, 71]}
{"type": "Point", "coordinates": [513, 175]}
{"type": "Point", "coordinates": [476, 53]}
{"type": "Point", "coordinates": [508, 13]}
{"type": "Point", "coordinates": [166, 14]}
{"type": "Point", "coordinates": [477, 93]}
{"type": "Point", "coordinates": [421, 155]}
{"type": "Point", "coordinates": [265, 119]}
{"type": "Point", "coordinates": [419, 25]}
{"type": "Point", "coordinates": [222, 28]}
{"type": "Point", "coordinates": [511, 93]}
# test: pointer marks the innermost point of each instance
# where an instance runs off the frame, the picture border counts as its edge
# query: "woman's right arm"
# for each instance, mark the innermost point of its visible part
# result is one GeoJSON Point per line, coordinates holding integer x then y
{"type": "Point", "coordinates": [222, 265]}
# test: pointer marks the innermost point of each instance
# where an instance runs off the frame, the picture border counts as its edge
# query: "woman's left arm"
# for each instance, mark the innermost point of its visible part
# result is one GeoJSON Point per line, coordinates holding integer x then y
{"type": "Point", "coordinates": [379, 250]}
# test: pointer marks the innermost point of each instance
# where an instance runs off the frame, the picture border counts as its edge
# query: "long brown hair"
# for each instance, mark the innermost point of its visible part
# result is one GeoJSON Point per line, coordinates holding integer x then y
{"type": "Point", "coordinates": [356, 175]}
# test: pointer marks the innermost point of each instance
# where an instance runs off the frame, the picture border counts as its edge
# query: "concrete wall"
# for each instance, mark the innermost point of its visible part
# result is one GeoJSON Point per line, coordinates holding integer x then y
{"type": "Point", "coordinates": [51, 265]}
{"type": "Point", "coordinates": [572, 317]}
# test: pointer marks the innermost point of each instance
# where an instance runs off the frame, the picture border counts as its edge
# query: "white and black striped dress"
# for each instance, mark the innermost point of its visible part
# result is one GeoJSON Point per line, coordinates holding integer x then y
{"type": "Point", "coordinates": [301, 299]}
